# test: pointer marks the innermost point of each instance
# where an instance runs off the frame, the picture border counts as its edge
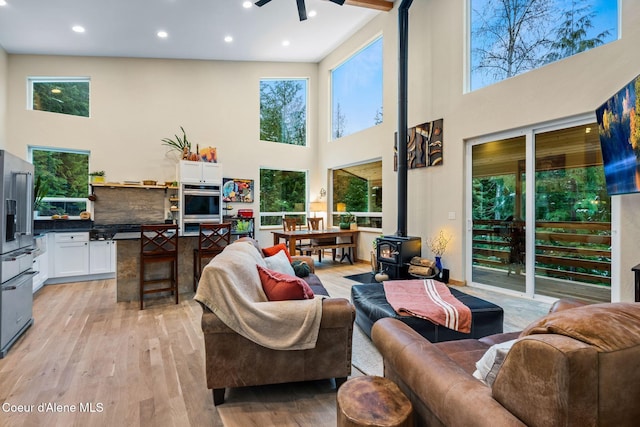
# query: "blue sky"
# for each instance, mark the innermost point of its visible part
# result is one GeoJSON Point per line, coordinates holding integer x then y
{"type": "Point", "coordinates": [357, 86]}
{"type": "Point", "coordinates": [606, 18]}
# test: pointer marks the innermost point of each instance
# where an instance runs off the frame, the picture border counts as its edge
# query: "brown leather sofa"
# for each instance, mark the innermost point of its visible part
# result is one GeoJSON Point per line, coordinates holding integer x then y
{"type": "Point", "coordinates": [577, 366]}
{"type": "Point", "coordinates": [234, 361]}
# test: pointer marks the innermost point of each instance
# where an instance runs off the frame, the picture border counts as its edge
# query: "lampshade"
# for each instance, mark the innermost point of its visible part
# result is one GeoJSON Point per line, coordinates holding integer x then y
{"type": "Point", "coordinates": [341, 207]}
{"type": "Point", "coordinates": [318, 207]}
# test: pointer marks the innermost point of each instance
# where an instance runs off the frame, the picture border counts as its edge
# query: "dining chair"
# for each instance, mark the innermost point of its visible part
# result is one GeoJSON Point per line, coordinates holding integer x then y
{"type": "Point", "coordinates": [317, 223]}
{"type": "Point", "coordinates": [212, 239]}
{"type": "Point", "coordinates": [290, 224]}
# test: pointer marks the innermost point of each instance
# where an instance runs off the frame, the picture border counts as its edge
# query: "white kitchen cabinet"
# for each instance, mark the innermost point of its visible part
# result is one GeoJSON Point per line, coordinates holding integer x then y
{"type": "Point", "coordinates": [40, 262]}
{"type": "Point", "coordinates": [102, 256]}
{"type": "Point", "coordinates": [199, 172]}
{"type": "Point", "coordinates": [70, 254]}
{"type": "Point", "coordinates": [41, 267]}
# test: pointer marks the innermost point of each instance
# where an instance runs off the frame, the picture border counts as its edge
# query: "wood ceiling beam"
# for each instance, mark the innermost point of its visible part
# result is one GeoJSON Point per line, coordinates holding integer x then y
{"type": "Point", "coordinates": [383, 5]}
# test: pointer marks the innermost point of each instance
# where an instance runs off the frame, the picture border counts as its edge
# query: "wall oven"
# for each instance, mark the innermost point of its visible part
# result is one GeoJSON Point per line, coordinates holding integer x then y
{"type": "Point", "coordinates": [200, 203]}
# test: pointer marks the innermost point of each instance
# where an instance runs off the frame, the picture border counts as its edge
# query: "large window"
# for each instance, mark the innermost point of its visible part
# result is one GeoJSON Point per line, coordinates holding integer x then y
{"type": "Point", "coordinates": [510, 37]}
{"type": "Point", "coordinates": [59, 95]}
{"type": "Point", "coordinates": [357, 191]}
{"type": "Point", "coordinates": [64, 174]}
{"type": "Point", "coordinates": [283, 111]}
{"type": "Point", "coordinates": [570, 214]}
{"type": "Point", "coordinates": [282, 193]}
{"type": "Point", "coordinates": [356, 92]}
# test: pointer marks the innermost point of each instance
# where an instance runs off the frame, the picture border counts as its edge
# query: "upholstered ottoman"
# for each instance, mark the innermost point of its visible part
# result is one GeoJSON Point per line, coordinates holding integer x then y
{"type": "Point", "coordinates": [371, 305]}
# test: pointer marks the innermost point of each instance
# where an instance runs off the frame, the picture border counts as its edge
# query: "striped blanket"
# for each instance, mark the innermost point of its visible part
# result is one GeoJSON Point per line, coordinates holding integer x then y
{"type": "Point", "coordinates": [430, 300]}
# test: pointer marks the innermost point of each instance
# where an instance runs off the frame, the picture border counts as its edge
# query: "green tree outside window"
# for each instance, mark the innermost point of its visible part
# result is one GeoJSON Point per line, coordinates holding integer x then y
{"type": "Point", "coordinates": [61, 96]}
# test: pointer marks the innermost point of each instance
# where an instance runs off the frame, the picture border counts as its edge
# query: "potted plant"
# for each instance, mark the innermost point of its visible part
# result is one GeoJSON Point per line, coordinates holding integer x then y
{"type": "Point", "coordinates": [345, 220]}
{"type": "Point", "coordinates": [97, 176]}
{"type": "Point", "coordinates": [183, 145]}
{"type": "Point", "coordinates": [40, 190]}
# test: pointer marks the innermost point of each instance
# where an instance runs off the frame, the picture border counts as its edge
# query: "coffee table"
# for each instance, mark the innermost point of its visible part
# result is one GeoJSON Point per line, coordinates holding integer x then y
{"type": "Point", "coordinates": [371, 305]}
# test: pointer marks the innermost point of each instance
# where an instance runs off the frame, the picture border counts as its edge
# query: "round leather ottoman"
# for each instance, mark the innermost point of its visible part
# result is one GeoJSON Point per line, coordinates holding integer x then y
{"type": "Point", "coordinates": [373, 402]}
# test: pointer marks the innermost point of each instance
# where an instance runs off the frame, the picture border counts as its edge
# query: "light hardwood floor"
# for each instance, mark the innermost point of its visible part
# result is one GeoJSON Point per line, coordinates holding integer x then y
{"type": "Point", "coordinates": [89, 361]}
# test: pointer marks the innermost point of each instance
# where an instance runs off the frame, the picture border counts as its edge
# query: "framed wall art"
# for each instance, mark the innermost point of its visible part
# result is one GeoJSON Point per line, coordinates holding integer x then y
{"type": "Point", "coordinates": [424, 145]}
{"type": "Point", "coordinates": [237, 190]}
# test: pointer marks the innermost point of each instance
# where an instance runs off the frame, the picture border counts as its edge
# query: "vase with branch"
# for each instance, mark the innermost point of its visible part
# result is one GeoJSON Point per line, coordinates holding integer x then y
{"type": "Point", "coordinates": [438, 246]}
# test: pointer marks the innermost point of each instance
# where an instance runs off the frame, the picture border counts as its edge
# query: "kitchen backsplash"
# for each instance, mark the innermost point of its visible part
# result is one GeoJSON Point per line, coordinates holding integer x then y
{"type": "Point", "coordinates": [118, 205]}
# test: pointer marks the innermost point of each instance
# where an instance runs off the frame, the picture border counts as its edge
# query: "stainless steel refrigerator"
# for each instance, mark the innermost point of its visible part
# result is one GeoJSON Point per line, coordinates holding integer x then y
{"type": "Point", "coordinates": [16, 249]}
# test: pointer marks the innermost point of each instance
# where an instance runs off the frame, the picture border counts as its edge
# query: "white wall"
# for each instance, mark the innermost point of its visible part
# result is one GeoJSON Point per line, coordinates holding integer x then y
{"type": "Point", "coordinates": [137, 102]}
{"type": "Point", "coordinates": [573, 86]}
{"type": "Point", "coordinates": [3, 97]}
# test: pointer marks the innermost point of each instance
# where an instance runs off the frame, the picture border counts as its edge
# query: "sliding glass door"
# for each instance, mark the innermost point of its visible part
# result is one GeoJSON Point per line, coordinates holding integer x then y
{"type": "Point", "coordinates": [569, 247]}
{"type": "Point", "coordinates": [498, 212]}
{"type": "Point", "coordinates": [572, 215]}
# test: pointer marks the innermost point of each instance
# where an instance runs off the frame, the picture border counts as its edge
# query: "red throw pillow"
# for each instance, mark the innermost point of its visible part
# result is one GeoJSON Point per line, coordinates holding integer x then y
{"type": "Point", "coordinates": [271, 251]}
{"type": "Point", "coordinates": [282, 287]}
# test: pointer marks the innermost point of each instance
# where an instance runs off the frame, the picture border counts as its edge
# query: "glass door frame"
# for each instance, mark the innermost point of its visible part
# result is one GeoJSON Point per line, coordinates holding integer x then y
{"type": "Point", "coordinates": [530, 133]}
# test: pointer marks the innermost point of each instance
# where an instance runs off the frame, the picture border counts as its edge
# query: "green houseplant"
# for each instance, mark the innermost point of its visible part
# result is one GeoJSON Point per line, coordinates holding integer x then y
{"type": "Point", "coordinates": [97, 176]}
{"type": "Point", "coordinates": [40, 190]}
{"type": "Point", "coordinates": [183, 145]}
{"type": "Point", "coordinates": [346, 219]}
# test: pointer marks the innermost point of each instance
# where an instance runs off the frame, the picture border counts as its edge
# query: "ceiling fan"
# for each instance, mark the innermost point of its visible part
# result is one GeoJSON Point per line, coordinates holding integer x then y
{"type": "Point", "coordinates": [302, 10]}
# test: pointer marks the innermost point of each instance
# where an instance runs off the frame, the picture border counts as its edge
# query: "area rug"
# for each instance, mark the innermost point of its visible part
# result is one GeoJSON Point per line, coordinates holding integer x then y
{"type": "Point", "coordinates": [365, 356]}
{"type": "Point", "coordinates": [362, 278]}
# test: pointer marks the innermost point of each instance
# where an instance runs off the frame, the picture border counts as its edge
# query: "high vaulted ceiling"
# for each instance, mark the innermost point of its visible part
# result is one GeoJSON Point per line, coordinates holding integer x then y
{"type": "Point", "coordinates": [196, 29]}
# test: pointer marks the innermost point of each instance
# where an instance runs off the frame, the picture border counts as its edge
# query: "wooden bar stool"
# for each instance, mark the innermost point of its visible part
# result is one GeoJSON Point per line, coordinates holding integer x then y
{"type": "Point", "coordinates": [158, 244]}
{"type": "Point", "coordinates": [212, 239]}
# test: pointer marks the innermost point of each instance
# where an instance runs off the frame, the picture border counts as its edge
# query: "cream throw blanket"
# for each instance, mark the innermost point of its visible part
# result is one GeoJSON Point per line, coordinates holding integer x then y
{"type": "Point", "coordinates": [230, 287]}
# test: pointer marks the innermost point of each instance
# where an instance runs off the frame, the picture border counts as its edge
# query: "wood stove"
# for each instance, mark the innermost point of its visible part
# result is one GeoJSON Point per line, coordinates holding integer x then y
{"type": "Point", "coordinates": [395, 252]}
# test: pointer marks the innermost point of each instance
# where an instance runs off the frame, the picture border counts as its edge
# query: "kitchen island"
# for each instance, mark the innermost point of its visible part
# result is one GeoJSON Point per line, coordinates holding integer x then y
{"type": "Point", "coordinates": [128, 267]}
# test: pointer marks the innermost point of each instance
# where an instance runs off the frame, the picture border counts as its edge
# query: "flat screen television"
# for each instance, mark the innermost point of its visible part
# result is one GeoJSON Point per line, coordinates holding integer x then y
{"type": "Point", "coordinates": [619, 130]}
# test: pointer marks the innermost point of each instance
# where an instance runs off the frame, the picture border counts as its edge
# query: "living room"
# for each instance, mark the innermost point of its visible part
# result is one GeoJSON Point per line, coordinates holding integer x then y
{"type": "Point", "coordinates": [163, 95]}
{"type": "Point", "coordinates": [136, 102]}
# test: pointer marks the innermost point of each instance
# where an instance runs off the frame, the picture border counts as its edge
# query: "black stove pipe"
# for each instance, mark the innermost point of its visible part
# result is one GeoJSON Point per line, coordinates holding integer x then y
{"type": "Point", "coordinates": [403, 74]}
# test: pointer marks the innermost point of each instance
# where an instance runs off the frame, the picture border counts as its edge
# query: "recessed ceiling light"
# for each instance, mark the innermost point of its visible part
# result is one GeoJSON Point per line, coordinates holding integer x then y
{"type": "Point", "coordinates": [163, 34]}
{"type": "Point", "coordinates": [3, 3]}
{"type": "Point", "coordinates": [312, 13]}
{"type": "Point", "coordinates": [285, 43]}
{"type": "Point", "coordinates": [228, 39]}
{"type": "Point", "coordinates": [78, 28]}
{"type": "Point", "coordinates": [246, 4]}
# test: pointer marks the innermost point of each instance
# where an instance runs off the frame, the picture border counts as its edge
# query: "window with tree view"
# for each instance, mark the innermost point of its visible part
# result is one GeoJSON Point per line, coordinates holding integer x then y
{"type": "Point", "coordinates": [510, 37]}
{"type": "Point", "coordinates": [283, 111]}
{"type": "Point", "coordinates": [64, 96]}
{"type": "Point", "coordinates": [63, 176]}
{"type": "Point", "coordinates": [356, 92]}
{"type": "Point", "coordinates": [282, 193]}
{"type": "Point", "coordinates": [357, 194]}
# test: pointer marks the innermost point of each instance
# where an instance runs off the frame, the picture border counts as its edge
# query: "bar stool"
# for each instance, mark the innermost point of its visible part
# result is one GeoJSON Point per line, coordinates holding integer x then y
{"type": "Point", "coordinates": [212, 239]}
{"type": "Point", "coordinates": [159, 244]}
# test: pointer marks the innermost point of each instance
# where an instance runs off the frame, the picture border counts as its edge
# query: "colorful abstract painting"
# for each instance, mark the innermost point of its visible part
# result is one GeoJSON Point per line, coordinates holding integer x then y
{"type": "Point", "coordinates": [237, 190]}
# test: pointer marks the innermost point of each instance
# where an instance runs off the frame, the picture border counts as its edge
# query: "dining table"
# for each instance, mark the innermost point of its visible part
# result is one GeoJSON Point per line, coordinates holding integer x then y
{"type": "Point", "coordinates": [344, 238]}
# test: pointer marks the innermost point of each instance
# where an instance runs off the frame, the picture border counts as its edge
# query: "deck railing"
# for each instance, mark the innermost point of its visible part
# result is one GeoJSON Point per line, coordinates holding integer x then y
{"type": "Point", "coordinates": [575, 251]}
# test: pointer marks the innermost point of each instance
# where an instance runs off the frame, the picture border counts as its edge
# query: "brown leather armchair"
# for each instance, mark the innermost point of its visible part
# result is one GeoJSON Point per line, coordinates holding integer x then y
{"type": "Point", "coordinates": [576, 367]}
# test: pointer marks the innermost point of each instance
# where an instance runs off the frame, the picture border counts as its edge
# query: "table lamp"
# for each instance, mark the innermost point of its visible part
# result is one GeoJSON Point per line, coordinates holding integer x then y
{"type": "Point", "coordinates": [317, 207]}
